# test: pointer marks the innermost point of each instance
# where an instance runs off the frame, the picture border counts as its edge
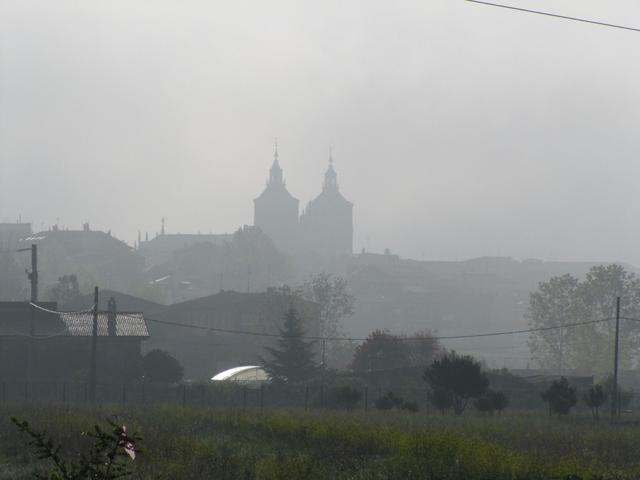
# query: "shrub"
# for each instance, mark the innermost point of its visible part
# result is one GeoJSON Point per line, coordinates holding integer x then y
{"type": "Point", "coordinates": [462, 376]}
{"type": "Point", "coordinates": [347, 397]}
{"type": "Point", "coordinates": [594, 398]}
{"type": "Point", "coordinates": [560, 397]}
{"type": "Point", "coordinates": [159, 366]}
{"type": "Point", "coordinates": [107, 458]}
{"type": "Point", "coordinates": [492, 401]}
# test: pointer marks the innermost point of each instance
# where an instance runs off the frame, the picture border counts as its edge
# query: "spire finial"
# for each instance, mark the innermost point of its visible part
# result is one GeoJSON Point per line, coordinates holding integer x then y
{"type": "Point", "coordinates": [330, 155]}
{"type": "Point", "coordinates": [275, 152]}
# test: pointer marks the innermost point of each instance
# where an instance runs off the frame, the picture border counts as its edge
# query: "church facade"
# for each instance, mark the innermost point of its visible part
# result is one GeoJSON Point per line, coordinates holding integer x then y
{"type": "Point", "coordinates": [325, 226]}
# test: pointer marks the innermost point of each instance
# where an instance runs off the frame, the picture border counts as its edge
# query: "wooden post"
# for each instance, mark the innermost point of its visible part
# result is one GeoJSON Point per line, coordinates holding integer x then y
{"type": "Point", "coordinates": [94, 342]}
{"type": "Point", "coordinates": [614, 401]}
{"type": "Point", "coordinates": [306, 398]}
{"type": "Point", "coordinates": [366, 398]}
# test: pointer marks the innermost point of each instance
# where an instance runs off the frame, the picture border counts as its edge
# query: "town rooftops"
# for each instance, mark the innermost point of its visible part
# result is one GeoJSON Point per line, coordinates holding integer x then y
{"type": "Point", "coordinates": [128, 324]}
{"type": "Point", "coordinates": [16, 321]}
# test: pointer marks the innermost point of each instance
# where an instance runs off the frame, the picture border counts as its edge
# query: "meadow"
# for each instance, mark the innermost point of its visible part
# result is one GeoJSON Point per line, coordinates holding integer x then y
{"type": "Point", "coordinates": [228, 443]}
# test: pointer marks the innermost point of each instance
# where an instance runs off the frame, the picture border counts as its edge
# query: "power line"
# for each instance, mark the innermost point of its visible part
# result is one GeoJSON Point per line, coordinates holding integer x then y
{"type": "Point", "coordinates": [354, 339]}
{"type": "Point", "coordinates": [555, 15]}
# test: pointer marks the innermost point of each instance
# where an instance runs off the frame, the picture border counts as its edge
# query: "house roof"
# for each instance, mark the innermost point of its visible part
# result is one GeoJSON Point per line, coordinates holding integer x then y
{"type": "Point", "coordinates": [128, 324]}
{"type": "Point", "coordinates": [15, 321]}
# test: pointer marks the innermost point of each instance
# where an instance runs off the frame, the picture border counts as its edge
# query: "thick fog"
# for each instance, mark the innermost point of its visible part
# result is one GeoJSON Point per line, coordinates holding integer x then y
{"type": "Point", "coordinates": [458, 130]}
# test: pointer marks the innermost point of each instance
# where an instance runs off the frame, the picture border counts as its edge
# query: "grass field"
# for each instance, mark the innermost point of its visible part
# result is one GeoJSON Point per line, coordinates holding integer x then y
{"type": "Point", "coordinates": [193, 443]}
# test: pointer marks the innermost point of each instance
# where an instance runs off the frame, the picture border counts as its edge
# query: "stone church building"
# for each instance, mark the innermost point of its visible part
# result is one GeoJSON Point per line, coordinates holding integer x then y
{"type": "Point", "coordinates": [324, 228]}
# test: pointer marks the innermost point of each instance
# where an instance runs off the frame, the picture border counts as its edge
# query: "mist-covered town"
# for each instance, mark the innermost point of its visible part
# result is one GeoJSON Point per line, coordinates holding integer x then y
{"type": "Point", "coordinates": [294, 241]}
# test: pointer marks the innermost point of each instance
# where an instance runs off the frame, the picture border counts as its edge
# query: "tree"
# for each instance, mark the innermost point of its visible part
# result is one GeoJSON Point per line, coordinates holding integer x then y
{"type": "Point", "coordinates": [460, 375]}
{"type": "Point", "coordinates": [347, 397]}
{"type": "Point", "coordinates": [159, 366]}
{"type": "Point", "coordinates": [594, 398]}
{"type": "Point", "coordinates": [441, 398]}
{"type": "Point", "coordinates": [492, 401]}
{"type": "Point", "coordinates": [292, 360]}
{"type": "Point", "coordinates": [553, 304]}
{"type": "Point", "coordinates": [560, 397]}
{"type": "Point", "coordinates": [336, 303]}
{"type": "Point", "coordinates": [565, 300]}
{"type": "Point", "coordinates": [384, 351]}
{"type": "Point", "coordinates": [66, 290]}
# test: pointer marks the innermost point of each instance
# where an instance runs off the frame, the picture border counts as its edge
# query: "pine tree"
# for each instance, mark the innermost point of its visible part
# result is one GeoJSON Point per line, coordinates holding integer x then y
{"type": "Point", "coordinates": [292, 360]}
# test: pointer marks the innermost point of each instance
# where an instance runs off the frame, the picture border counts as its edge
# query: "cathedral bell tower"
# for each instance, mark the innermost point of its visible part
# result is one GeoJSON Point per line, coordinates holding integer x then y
{"type": "Point", "coordinates": [276, 210]}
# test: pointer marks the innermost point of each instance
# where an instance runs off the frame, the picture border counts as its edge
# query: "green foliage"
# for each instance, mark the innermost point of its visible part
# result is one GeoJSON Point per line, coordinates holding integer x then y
{"type": "Point", "coordinates": [560, 397]}
{"type": "Point", "coordinates": [293, 359]}
{"type": "Point", "coordinates": [492, 401]}
{"type": "Point", "coordinates": [159, 366]}
{"type": "Point", "coordinates": [565, 299]}
{"type": "Point", "coordinates": [441, 398]}
{"type": "Point", "coordinates": [460, 375]}
{"type": "Point", "coordinates": [382, 351]}
{"type": "Point", "coordinates": [228, 444]}
{"type": "Point", "coordinates": [347, 397]}
{"type": "Point", "coordinates": [66, 290]}
{"type": "Point", "coordinates": [336, 303]}
{"type": "Point", "coordinates": [108, 457]}
{"type": "Point", "coordinates": [594, 398]}
{"type": "Point", "coordinates": [391, 401]}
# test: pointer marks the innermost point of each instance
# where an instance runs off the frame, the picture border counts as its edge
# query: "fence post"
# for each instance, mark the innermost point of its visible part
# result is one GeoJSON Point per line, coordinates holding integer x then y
{"type": "Point", "coordinates": [124, 394]}
{"type": "Point", "coordinates": [306, 398]}
{"type": "Point", "coordinates": [261, 396]}
{"type": "Point", "coordinates": [202, 394]}
{"type": "Point", "coordinates": [85, 393]}
{"type": "Point", "coordinates": [184, 395]}
{"type": "Point", "coordinates": [26, 391]}
{"type": "Point", "coordinates": [321, 396]}
{"type": "Point", "coordinates": [64, 392]}
{"type": "Point", "coordinates": [244, 397]}
{"type": "Point", "coordinates": [366, 398]}
{"type": "Point", "coordinates": [4, 392]}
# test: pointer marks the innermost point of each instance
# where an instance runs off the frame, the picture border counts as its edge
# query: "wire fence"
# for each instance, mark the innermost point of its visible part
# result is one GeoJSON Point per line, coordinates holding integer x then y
{"type": "Point", "coordinates": [208, 395]}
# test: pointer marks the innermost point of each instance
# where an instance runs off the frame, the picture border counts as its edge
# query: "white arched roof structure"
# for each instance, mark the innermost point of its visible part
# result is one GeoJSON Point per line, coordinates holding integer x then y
{"type": "Point", "coordinates": [249, 373]}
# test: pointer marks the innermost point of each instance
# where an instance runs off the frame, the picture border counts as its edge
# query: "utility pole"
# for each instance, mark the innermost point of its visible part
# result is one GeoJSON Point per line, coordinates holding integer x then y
{"type": "Point", "coordinates": [33, 277]}
{"type": "Point", "coordinates": [614, 400]}
{"type": "Point", "coordinates": [94, 341]}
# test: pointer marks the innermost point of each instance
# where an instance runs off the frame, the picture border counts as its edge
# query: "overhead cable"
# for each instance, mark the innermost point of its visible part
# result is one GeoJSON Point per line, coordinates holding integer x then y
{"type": "Point", "coordinates": [555, 15]}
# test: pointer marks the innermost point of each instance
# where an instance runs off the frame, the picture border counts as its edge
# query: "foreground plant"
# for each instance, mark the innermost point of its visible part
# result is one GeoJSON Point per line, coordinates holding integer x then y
{"type": "Point", "coordinates": [108, 458]}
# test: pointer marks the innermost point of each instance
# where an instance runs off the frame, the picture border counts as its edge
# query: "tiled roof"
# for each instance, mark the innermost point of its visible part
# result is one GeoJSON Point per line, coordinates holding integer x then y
{"type": "Point", "coordinates": [127, 324]}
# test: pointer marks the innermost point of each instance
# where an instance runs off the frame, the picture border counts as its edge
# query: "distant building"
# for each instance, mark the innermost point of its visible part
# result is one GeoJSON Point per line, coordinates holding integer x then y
{"type": "Point", "coordinates": [61, 345]}
{"type": "Point", "coordinates": [327, 222]}
{"type": "Point", "coordinates": [159, 249]}
{"type": "Point", "coordinates": [12, 233]}
{"type": "Point", "coordinates": [325, 227]}
{"type": "Point", "coordinates": [95, 257]}
{"type": "Point", "coordinates": [276, 211]}
{"type": "Point", "coordinates": [204, 352]}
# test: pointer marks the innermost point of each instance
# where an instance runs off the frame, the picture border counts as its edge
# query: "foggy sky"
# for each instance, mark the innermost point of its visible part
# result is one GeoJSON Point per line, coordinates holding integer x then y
{"type": "Point", "coordinates": [458, 130]}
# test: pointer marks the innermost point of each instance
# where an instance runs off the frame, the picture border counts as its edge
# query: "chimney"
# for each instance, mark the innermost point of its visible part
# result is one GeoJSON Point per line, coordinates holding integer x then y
{"type": "Point", "coordinates": [111, 317]}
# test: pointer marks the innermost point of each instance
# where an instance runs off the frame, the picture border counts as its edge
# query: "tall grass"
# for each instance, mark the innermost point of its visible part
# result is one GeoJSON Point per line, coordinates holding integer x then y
{"type": "Point", "coordinates": [190, 443]}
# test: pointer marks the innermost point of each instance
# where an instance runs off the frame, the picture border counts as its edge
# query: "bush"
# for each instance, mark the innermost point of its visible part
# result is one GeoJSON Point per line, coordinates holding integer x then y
{"type": "Point", "coordinates": [158, 366]}
{"type": "Point", "coordinates": [441, 398]}
{"type": "Point", "coordinates": [462, 376]}
{"type": "Point", "coordinates": [347, 397]}
{"type": "Point", "coordinates": [492, 401]}
{"type": "Point", "coordinates": [560, 397]}
{"type": "Point", "coordinates": [594, 398]}
{"type": "Point", "coordinates": [391, 401]}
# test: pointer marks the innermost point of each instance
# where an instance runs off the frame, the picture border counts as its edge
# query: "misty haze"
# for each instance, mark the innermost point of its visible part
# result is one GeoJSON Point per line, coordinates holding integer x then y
{"type": "Point", "coordinates": [332, 240]}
